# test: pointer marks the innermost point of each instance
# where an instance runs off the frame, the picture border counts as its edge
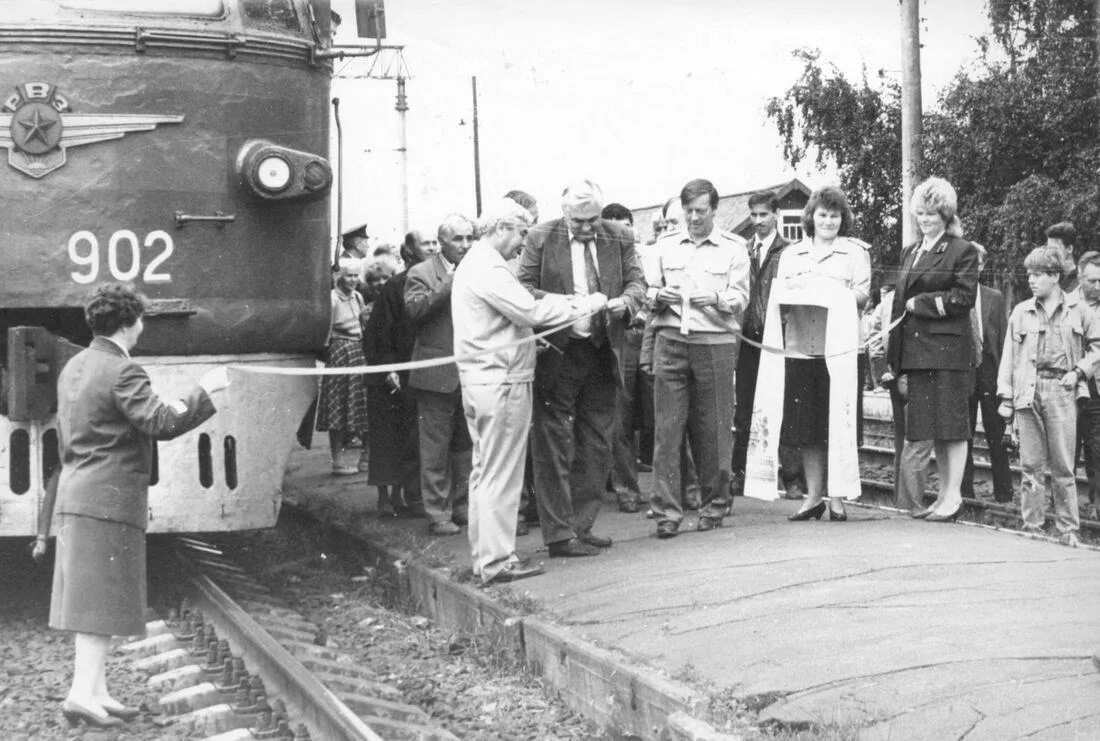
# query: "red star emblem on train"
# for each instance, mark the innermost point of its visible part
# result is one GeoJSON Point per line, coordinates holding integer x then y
{"type": "Point", "coordinates": [37, 126]}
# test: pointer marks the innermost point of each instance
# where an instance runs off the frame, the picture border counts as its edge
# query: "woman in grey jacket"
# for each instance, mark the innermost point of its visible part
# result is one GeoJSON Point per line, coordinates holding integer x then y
{"type": "Point", "coordinates": [107, 419]}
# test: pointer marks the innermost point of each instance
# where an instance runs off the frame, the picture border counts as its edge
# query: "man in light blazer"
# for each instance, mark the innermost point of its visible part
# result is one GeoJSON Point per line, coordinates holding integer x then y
{"type": "Point", "coordinates": [579, 255]}
{"type": "Point", "coordinates": [992, 318]}
{"type": "Point", "coordinates": [444, 438]}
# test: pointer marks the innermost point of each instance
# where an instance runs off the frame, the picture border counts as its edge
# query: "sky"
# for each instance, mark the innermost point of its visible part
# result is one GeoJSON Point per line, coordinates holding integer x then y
{"type": "Point", "coordinates": [638, 95]}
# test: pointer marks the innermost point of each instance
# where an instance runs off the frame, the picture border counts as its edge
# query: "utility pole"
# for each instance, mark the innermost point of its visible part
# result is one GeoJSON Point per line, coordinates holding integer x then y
{"type": "Point", "coordinates": [477, 151]}
{"type": "Point", "coordinates": [912, 132]}
{"type": "Point", "coordinates": [402, 108]}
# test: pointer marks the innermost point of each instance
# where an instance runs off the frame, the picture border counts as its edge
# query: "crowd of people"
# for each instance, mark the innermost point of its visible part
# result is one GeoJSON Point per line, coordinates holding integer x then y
{"type": "Point", "coordinates": [647, 355]}
{"type": "Point", "coordinates": [570, 334]}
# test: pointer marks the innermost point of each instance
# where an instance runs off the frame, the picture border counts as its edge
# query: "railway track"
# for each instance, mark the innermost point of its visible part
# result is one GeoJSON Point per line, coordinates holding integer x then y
{"type": "Point", "coordinates": [233, 662]}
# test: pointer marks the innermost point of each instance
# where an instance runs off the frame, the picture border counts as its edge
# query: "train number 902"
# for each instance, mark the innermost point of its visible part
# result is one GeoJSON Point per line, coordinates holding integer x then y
{"type": "Point", "coordinates": [124, 256]}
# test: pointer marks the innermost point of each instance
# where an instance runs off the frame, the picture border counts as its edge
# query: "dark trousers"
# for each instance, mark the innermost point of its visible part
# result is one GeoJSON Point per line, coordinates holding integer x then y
{"type": "Point", "coordinates": [624, 449]}
{"type": "Point", "coordinates": [897, 405]}
{"type": "Point", "coordinates": [574, 417]}
{"type": "Point", "coordinates": [994, 426]}
{"type": "Point", "coordinates": [1088, 431]}
{"type": "Point", "coordinates": [695, 392]}
{"type": "Point", "coordinates": [444, 453]}
{"type": "Point", "coordinates": [643, 414]}
{"type": "Point", "coordinates": [790, 461]}
{"type": "Point", "coordinates": [748, 365]}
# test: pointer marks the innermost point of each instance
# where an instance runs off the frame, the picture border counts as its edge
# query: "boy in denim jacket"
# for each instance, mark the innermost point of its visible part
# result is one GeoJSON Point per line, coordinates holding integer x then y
{"type": "Point", "coordinates": [1052, 347]}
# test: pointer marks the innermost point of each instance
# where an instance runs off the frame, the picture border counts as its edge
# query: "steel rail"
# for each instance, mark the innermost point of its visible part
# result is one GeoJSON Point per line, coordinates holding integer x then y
{"type": "Point", "coordinates": [322, 712]}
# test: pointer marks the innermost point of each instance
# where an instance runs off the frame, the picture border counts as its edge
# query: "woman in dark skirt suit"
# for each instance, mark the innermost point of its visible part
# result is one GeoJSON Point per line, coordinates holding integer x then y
{"type": "Point", "coordinates": [107, 419]}
{"type": "Point", "coordinates": [933, 345]}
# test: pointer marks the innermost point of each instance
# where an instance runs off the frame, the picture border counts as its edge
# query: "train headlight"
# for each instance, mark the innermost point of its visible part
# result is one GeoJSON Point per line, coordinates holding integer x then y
{"type": "Point", "coordinates": [273, 173]}
{"type": "Point", "coordinates": [270, 172]}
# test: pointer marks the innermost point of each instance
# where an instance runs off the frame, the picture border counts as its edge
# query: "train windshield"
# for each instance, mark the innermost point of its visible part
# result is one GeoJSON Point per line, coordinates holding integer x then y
{"type": "Point", "coordinates": [192, 8]}
{"type": "Point", "coordinates": [280, 17]}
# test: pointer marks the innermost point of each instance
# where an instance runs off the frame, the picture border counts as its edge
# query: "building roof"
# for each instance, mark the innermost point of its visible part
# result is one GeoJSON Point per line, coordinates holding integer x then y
{"type": "Point", "coordinates": [733, 209]}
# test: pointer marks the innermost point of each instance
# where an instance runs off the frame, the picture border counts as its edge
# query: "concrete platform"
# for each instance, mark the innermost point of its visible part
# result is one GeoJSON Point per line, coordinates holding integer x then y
{"type": "Point", "coordinates": [885, 626]}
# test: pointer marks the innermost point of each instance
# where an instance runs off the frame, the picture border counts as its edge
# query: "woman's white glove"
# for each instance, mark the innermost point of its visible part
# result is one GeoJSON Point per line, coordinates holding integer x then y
{"type": "Point", "coordinates": [215, 379]}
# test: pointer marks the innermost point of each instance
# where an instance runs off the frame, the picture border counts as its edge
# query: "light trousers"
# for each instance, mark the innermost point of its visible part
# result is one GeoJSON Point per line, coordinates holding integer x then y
{"type": "Point", "coordinates": [1048, 438]}
{"type": "Point", "coordinates": [498, 417]}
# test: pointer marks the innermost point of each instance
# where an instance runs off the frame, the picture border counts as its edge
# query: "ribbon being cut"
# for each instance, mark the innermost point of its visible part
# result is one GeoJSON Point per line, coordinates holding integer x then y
{"type": "Point", "coordinates": [841, 351]}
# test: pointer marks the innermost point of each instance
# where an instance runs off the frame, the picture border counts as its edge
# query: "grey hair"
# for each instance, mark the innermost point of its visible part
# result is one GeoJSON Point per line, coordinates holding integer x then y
{"type": "Point", "coordinates": [500, 213]}
{"type": "Point", "coordinates": [450, 221]}
{"type": "Point", "coordinates": [581, 193]}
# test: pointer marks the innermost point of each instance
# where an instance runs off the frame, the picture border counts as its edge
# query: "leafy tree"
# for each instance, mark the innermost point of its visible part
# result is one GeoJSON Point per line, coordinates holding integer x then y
{"type": "Point", "coordinates": [1018, 135]}
{"type": "Point", "coordinates": [857, 128]}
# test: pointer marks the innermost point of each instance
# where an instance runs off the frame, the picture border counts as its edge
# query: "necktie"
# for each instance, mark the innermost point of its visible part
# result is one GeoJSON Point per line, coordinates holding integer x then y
{"type": "Point", "coordinates": [592, 278]}
{"type": "Point", "coordinates": [755, 257]}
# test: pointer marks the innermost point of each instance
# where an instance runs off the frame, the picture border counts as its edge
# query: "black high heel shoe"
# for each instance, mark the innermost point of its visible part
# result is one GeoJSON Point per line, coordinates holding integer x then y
{"type": "Point", "coordinates": [815, 512]}
{"type": "Point", "coordinates": [944, 518]}
{"type": "Point", "coordinates": [76, 714]}
{"type": "Point", "coordinates": [835, 516]}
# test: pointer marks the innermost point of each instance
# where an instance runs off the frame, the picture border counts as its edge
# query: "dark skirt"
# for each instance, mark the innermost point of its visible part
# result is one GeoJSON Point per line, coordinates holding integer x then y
{"type": "Point", "coordinates": [939, 404]}
{"type": "Point", "coordinates": [394, 439]}
{"type": "Point", "coordinates": [98, 577]}
{"type": "Point", "coordinates": [343, 402]}
{"type": "Point", "coordinates": [805, 403]}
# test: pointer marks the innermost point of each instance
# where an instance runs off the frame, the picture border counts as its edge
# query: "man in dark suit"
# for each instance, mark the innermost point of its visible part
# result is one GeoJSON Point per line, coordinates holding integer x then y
{"type": "Point", "coordinates": [444, 438]}
{"type": "Point", "coordinates": [992, 318]}
{"type": "Point", "coordinates": [575, 381]}
{"type": "Point", "coordinates": [764, 252]}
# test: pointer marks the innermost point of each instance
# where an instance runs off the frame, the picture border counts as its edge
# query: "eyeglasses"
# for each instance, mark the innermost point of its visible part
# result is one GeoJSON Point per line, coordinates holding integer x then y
{"type": "Point", "coordinates": [578, 221]}
{"type": "Point", "coordinates": [463, 238]}
{"type": "Point", "coordinates": [517, 228]}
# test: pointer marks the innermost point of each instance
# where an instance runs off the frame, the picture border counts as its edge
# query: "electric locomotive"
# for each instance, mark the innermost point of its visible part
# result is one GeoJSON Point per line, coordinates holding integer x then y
{"type": "Point", "coordinates": [182, 147]}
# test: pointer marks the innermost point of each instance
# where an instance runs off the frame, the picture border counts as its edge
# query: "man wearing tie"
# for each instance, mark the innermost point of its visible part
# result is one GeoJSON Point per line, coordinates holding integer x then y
{"type": "Point", "coordinates": [575, 380]}
{"type": "Point", "coordinates": [764, 252]}
{"type": "Point", "coordinates": [991, 319]}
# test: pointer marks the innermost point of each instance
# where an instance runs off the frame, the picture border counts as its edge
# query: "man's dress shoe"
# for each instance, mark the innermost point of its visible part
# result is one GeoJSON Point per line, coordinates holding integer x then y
{"type": "Point", "coordinates": [708, 523]}
{"type": "Point", "coordinates": [629, 506]}
{"type": "Point", "coordinates": [596, 540]}
{"type": "Point", "coordinates": [668, 529]}
{"type": "Point", "coordinates": [514, 571]}
{"type": "Point", "coordinates": [572, 548]}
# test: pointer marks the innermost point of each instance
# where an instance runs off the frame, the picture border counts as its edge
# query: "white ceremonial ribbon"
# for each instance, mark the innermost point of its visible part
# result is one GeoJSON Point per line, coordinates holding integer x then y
{"type": "Point", "coordinates": [841, 352]}
{"type": "Point", "coordinates": [685, 288]}
{"type": "Point", "coordinates": [408, 365]}
{"type": "Point", "coordinates": [771, 349]}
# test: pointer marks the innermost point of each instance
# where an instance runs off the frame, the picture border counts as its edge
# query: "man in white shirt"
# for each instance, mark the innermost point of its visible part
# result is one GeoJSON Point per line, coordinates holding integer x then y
{"type": "Point", "coordinates": [699, 286]}
{"type": "Point", "coordinates": [492, 310]}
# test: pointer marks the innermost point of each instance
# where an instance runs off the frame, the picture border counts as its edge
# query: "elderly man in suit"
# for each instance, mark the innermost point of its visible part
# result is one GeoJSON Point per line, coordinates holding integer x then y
{"type": "Point", "coordinates": [579, 255]}
{"type": "Point", "coordinates": [444, 438]}
{"type": "Point", "coordinates": [991, 319]}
